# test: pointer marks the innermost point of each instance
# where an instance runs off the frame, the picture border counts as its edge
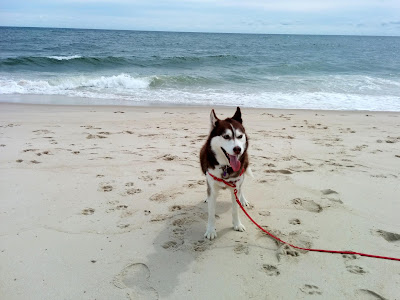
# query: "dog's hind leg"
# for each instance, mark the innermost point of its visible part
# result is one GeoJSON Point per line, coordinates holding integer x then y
{"type": "Point", "coordinates": [237, 225]}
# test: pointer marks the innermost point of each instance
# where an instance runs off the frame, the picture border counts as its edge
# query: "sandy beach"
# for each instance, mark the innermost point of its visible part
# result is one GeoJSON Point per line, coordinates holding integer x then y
{"type": "Point", "coordinates": [106, 202]}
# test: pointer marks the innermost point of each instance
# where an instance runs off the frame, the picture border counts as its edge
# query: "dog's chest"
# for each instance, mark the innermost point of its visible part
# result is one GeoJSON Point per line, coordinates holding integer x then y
{"type": "Point", "coordinates": [226, 173]}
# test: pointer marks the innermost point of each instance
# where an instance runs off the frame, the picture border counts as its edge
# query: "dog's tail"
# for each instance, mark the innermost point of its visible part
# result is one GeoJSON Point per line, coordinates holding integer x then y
{"type": "Point", "coordinates": [249, 172]}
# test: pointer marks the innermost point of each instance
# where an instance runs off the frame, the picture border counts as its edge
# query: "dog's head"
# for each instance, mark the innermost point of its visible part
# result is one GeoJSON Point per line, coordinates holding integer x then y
{"type": "Point", "coordinates": [228, 139]}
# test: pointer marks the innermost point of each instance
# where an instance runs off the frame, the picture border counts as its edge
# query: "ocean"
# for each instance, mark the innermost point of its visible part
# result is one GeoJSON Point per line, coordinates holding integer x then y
{"type": "Point", "coordinates": [167, 68]}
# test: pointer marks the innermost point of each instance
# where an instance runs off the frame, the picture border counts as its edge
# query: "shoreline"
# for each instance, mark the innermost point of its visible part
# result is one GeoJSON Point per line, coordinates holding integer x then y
{"type": "Point", "coordinates": [66, 101]}
{"type": "Point", "coordinates": [188, 106]}
{"type": "Point", "coordinates": [107, 202]}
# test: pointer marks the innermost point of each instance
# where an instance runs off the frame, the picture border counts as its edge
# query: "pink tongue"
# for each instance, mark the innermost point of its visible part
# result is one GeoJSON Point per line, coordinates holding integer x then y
{"type": "Point", "coordinates": [234, 162]}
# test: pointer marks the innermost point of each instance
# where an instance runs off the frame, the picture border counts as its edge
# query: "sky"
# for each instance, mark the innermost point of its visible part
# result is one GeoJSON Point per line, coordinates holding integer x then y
{"type": "Point", "coordinates": [347, 17]}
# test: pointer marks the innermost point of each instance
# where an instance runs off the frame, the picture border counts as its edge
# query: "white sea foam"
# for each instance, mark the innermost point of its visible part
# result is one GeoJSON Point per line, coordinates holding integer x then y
{"type": "Point", "coordinates": [65, 57]}
{"type": "Point", "coordinates": [73, 85]}
{"type": "Point", "coordinates": [358, 93]}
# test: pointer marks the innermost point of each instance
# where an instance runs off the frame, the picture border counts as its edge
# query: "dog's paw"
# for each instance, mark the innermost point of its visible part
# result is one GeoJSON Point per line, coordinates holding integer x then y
{"type": "Point", "coordinates": [210, 234]}
{"type": "Point", "coordinates": [239, 227]}
{"type": "Point", "coordinates": [245, 203]}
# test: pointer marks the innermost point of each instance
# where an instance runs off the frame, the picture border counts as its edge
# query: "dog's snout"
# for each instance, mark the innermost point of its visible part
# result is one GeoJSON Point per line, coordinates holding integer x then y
{"type": "Point", "coordinates": [237, 150]}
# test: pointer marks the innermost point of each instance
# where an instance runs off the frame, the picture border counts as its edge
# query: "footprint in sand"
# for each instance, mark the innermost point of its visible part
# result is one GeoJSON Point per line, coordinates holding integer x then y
{"type": "Point", "coordinates": [172, 245]}
{"type": "Point", "coordinates": [87, 211]}
{"type": "Point", "coordinates": [89, 127]}
{"type": "Point", "coordinates": [201, 245]}
{"type": "Point", "coordinates": [182, 221]}
{"type": "Point", "coordinates": [178, 234]}
{"type": "Point", "coordinates": [160, 218]}
{"type": "Point", "coordinates": [310, 289]}
{"type": "Point", "coordinates": [164, 196]}
{"type": "Point", "coordinates": [106, 188]}
{"type": "Point", "coordinates": [389, 236]}
{"type": "Point", "coordinates": [309, 205]}
{"type": "Point", "coordinates": [159, 197]}
{"type": "Point", "coordinates": [168, 157]}
{"type": "Point", "coordinates": [328, 192]}
{"type": "Point", "coordinates": [348, 257]}
{"type": "Point", "coordinates": [133, 191]}
{"type": "Point", "coordinates": [240, 249]}
{"type": "Point", "coordinates": [10, 125]}
{"type": "Point", "coordinates": [286, 172]}
{"type": "Point", "coordinates": [135, 279]}
{"type": "Point", "coordinates": [264, 213]}
{"type": "Point", "coordinates": [369, 295]}
{"type": "Point", "coordinates": [175, 208]}
{"type": "Point", "coordinates": [271, 270]}
{"type": "Point", "coordinates": [295, 222]}
{"type": "Point", "coordinates": [356, 270]}
{"type": "Point", "coordinates": [104, 133]}
{"type": "Point", "coordinates": [123, 226]}
{"type": "Point", "coordinates": [146, 178]}
{"type": "Point", "coordinates": [119, 207]}
{"type": "Point", "coordinates": [42, 131]}
{"type": "Point", "coordinates": [94, 136]}
{"type": "Point", "coordinates": [332, 195]}
{"type": "Point", "coordinates": [287, 251]}
{"type": "Point", "coordinates": [299, 238]}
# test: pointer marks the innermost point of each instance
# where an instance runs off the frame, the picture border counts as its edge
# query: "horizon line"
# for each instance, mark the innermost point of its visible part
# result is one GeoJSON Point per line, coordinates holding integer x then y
{"type": "Point", "coordinates": [203, 32]}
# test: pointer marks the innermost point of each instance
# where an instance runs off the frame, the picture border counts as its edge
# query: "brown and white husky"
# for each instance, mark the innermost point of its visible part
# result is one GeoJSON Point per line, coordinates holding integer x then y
{"type": "Point", "coordinates": [224, 155]}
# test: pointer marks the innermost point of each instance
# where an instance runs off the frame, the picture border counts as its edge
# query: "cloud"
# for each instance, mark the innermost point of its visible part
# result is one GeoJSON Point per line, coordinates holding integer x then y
{"type": "Point", "coordinates": [252, 16]}
{"type": "Point", "coordinates": [309, 6]}
{"type": "Point", "coordinates": [392, 23]}
{"type": "Point", "coordinates": [268, 5]}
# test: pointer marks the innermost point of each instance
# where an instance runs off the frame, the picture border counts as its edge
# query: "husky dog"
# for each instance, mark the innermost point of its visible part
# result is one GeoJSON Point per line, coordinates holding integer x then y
{"type": "Point", "coordinates": [224, 155]}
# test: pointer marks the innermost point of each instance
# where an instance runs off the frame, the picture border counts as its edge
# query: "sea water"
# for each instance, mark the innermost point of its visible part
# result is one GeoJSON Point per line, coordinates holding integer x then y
{"type": "Point", "coordinates": [169, 68]}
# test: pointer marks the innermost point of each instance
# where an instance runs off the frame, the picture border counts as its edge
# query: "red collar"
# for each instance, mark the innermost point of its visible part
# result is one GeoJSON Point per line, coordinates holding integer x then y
{"type": "Point", "coordinates": [228, 183]}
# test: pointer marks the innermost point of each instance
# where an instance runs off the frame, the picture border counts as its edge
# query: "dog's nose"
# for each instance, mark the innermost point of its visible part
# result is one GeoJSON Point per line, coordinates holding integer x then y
{"type": "Point", "coordinates": [237, 150]}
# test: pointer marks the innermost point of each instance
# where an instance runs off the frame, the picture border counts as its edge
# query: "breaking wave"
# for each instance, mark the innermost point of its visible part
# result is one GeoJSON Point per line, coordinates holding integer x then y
{"type": "Point", "coordinates": [66, 86]}
{"type": "Point", "coordinates": [322, 92]}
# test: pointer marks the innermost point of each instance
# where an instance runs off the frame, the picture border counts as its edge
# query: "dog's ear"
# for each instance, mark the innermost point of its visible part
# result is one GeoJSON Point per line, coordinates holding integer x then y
{"type": "Point", "coordinates": [238, 115]}
{"type": "Point", "coordinates": [213, 119]}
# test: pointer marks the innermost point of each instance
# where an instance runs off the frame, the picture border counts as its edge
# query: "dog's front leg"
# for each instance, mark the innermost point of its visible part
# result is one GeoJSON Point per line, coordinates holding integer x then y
{"type": "Point", "coordinates": [211, 232]}
{"type": "Point", "coordinates": [243, 200]}
{"type": "Point", "coordinates": [237, 225]}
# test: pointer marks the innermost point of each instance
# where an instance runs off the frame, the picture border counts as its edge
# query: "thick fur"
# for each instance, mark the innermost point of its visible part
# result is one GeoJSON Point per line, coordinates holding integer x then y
{"type": "Point", "coordinates": [227, 138]}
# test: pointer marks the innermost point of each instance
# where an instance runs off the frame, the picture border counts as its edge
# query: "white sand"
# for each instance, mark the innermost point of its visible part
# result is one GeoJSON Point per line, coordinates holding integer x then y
{"type": "Point", "coordinates": [100, 204]}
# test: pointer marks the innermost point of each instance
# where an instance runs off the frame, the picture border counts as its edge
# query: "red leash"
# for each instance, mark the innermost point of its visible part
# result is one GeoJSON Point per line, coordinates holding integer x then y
{"type": "Point", "coordinates": [233, 185]}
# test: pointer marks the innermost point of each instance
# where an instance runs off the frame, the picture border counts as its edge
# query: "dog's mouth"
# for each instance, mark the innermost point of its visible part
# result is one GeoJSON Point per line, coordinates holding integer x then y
{"type": "Point", "coordinates": [233, 160]}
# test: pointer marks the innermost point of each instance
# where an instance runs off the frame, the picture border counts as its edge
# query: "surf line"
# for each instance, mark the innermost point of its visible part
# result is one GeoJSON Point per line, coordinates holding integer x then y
{"type": "Point", "coordinates": [235, 191]}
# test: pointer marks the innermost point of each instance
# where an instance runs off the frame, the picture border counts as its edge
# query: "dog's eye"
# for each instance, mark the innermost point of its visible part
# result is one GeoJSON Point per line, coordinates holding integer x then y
{"type": "Point", "coordinates": [227, 137]}
{"type": "Point", "coordinates": [240, 136]}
